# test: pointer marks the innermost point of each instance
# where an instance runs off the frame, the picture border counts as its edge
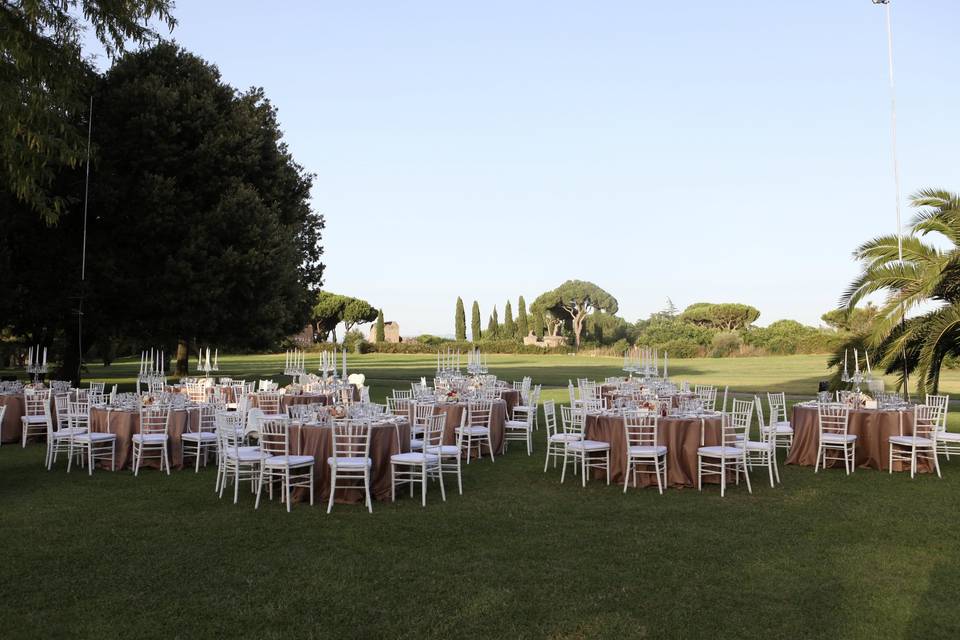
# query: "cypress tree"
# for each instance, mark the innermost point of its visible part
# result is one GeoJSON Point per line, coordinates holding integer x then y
{"type": "Point", "coordinates": [523, 328]}
{"type": "Point", "coordinates": [475, 334]}
{"type": "Point", "coordinates": [493, 326]}
{"type": "Point", "coordinates": [509, 329]}
{"type": "Point", "coordinates": [460, 322]}
{"type": "Point", "coordinates": [539, 323]}
{"type": "Point", "coordinates": [380, 334]}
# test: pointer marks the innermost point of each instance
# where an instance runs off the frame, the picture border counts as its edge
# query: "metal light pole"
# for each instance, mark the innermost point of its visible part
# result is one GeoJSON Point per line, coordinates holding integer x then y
{"type": "Point", "coordinates": [896, 168]}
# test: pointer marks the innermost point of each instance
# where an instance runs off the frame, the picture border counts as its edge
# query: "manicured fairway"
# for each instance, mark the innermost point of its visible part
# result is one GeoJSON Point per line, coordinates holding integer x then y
{"type": "Point", "coordinates": [517, 556]}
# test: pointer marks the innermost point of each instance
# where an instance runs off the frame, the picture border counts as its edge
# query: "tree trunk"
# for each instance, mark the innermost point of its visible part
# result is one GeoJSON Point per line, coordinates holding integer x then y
{"type": "Point", "coordinates": [183, 357]}
{"type": "Point", "coordinates": [578, 327]}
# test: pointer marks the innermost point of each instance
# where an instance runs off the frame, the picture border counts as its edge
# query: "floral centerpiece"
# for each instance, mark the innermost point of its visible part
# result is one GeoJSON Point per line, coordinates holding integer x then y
{"type": "Point", "coordinates": [452, 396]}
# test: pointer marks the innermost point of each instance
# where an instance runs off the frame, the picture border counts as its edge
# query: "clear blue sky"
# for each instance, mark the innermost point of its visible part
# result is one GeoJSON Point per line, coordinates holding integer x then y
{"type": "Point", "coordinates": [701, 150]}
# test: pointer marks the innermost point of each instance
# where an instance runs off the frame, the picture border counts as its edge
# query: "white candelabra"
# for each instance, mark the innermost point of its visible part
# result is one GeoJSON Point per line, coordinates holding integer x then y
{"type": "Point", "coordinates": [206, 366]}
{"type": "Point", "coordinates": [858, 377]}
{"type": "Point", "coordinates": [328, 363]}
{"type": "Point", "coordinates": [295, 364]}
{"type": "Point", "coordinates": [36, 366]}
{"type": "Point", "coordinates": [645, 361]}
{"type": "Point", "coordinates": [448, 361]}
{"type": "Point", "coordinates": [476, 362]}
{"type": "Point", "coordinates": [152, 368]}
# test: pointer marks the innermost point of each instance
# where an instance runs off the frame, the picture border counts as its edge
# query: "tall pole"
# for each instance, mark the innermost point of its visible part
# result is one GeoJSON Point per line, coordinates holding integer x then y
{"type": "Point", "coordinates": [83, 250]}
{"type": "Point", "coordinates": [896, 172]}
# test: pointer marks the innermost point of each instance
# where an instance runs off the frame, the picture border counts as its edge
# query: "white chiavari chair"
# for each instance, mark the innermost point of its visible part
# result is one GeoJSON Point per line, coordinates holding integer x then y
{"type": "Point", "coordinates": [418, 466]}
{"type": "Point", "coordinates": [271, 404]}
{"type": "Point", "coordinates": [520, 428]}
{"type": "Point", "coordinates": [279, 465]}
{"type": "Point", "coordinates": [450, 455]}
{"type": "Point", "coordinates": [643, 448]}
{"type": "Point", "coordinates": [923, 442]}
{"type": "Point", "coordinates": [475, 427]}
{"type": "Point", "coordinates": [97, 387]}
{"type": "Point", "coordinates": [350, 462]}
{"type": "Point", "coordinates": [59, 430]}
{"type": "Point", "coordinates": [947, 441]}
{"type": "Point", "coordinates": [36, 417]}
{"type": "Point", "coordinates": [726, 391]}
{"type": "Point", "coordinates": [529, 404]}
{"type": "Point", "coordinates": [556, 440]}
{"type": "Point", "coordinates": [236, 461]}
{"type": "Point", "coordinates": [152, 439]}
{"type": "Point", "coordinates": [587, 454]}
{"type": "Point", "coordinates": [834, 419]}
{"type": "Point", "coordinates": [422, 415]}
{"type": "Point", "coordinates": [779, 423]}
{"type": "Point", "coordinates": [90, 445]}
{"type": "Point", "coordinates": [200, 442]}
{"type": "Point", "coordinates": [731, 453]}
{"type": "Point", "coordinates": [763, 452]}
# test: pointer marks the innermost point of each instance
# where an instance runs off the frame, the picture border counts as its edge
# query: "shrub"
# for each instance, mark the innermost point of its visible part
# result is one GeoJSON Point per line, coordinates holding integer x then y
{"type": "Point", "coordinates": [682, 348]}
{"type": "Point", "coordinates": [725, 344]}
{"type": "Point", "coordinates": [355, 342]}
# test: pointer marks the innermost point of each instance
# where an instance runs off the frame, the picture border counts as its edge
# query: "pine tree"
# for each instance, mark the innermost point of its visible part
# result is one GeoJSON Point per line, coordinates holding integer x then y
{"type": "Point", "coordinates": [509, 329]}
{"type": "Point", "coordinates": [493, 326]}
{"type": "Point", "coordinates": [475, 334]}
{"type": "Point", "coordinates": [523, 328]}
{"type": "Point", "coordinates": [460, 322]}
{"type": "Point", "coordinates": [380, 334]}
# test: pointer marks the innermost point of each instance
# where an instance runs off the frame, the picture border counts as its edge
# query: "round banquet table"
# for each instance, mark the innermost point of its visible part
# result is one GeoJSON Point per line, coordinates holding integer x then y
{"type": "Point", "coordinates": [681, 436]}
{"type": "Point", "coordinates": [387, 438]}
{"type": "Point", "coordinates": [124, 423]}
{"type": "Point", "coordinates": [872, 427]}
{"type": "Point", "coordinates": [609, 393]}
{"type": "Point", "coordinates": [12, 428]}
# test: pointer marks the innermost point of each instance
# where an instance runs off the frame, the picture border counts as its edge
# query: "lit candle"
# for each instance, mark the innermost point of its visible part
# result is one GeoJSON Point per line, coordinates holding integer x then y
{"type": "Point", "coordinates": [866, 354]}
{"type": "Point", "coordinates": [29, 356]}
{"type": "Point", "coordinates": [44, 356]}
{"type": "Point", "coordinates": [856, 361]}
{"type": "Point", "coordinates": [216, 358]}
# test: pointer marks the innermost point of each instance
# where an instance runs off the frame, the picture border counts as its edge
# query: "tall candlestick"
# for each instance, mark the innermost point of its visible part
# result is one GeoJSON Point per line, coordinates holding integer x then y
{"type": "Point", "coordinates": [856, 361]}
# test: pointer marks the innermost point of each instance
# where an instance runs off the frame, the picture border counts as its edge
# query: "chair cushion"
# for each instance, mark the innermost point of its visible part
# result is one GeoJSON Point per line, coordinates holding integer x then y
{"type": "Point", "coordinates": [949, 436]}
{"type": "Point", "coordinates": [753, 445]}
{"type": "Point", "coordinates": [414, 458]}
{"type": "Point", "coordinates": [781, 427]}
{"type": "Point", "coordinates": [66, 432]}
{"type": "Point", "coordinates": [416, 444]}
{"type": "Point", "coordinates": [720, 452]}
{"type": "Point", "coordinates": [516, 424]}
{"type": "Point", "coordinates": [33, 419]}
{"type": "Point", "coordinates": [589, 445]}
{"type": "Point", "coordinates": [646, 450]}
{"type": "Point", "coordinates": [911, 441]}
{"type": "Point", "coordinates": [273, 416]}
{"type": "Point", "coordinates": [95, 437]}
{"type": "Point", "coordinates": [445, 449]}
{"type": "Point", "coordinates": [150, 438]}
{"type": "Point", "coordinates": [565, 437]}
{"type": "Point", "coordinates": [476, 430]}
{"type": "Point", "coordinates": [246, 454]}
{"type": "Point", "coordinates": [288, 461]}
{"type": "Point", "coordinates": [837, 438]}
{"type": "Point", "coordinates": [199, 435]}
{"type": "Point", "coordinates": [357, 463]}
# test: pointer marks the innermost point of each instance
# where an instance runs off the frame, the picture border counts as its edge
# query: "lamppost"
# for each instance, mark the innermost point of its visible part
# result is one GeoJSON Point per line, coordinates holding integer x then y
{"type": "Point", "coordinates": [896, 168]}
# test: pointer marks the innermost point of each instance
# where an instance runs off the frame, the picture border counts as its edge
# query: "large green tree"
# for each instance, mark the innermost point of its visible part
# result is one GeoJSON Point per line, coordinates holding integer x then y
{"type": "Point", "coordinates": [45, 87]}
{"type": "Point", "coordinates": [380, 333]}
{"type": "Point", "coordinates": [907, 337]}
{"type": "Point", "coordinates": [575, 300]}
{"type": "Point", "coordinates": [357, 311]}
{"type": "Point", "coordinates": [723, 316]}
{"type": "Point", "coordinates": [856, 320]}
{"type": "Point", "coordinates": [493, 325]}
{"type": "Point", "coordinates": [202, 224]}
{"type": "Point", "coordinates": [475, 333]}
{"type": "Point", "coordinates": [460, 321]}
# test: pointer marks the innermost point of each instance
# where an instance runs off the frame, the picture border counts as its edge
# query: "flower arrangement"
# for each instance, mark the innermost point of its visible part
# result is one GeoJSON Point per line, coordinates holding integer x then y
{"type": "Point", "coordinates": [452, 396]}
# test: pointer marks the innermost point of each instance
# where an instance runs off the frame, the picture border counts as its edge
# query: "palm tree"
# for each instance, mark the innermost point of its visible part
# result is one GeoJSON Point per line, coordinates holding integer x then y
{"type": "Point", "coordinates": [906, 337]}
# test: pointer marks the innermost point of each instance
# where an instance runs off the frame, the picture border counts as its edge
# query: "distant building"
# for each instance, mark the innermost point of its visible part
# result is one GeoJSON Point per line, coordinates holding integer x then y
{"type": "Point", "coordinates": [304, 338]}
{"type": "Point", "coordinates": [391, 332]}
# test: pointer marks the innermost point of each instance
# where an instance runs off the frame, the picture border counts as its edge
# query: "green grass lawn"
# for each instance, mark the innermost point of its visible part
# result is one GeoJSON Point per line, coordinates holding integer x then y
{"type": "Point", "coordinates": [518, 555]}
